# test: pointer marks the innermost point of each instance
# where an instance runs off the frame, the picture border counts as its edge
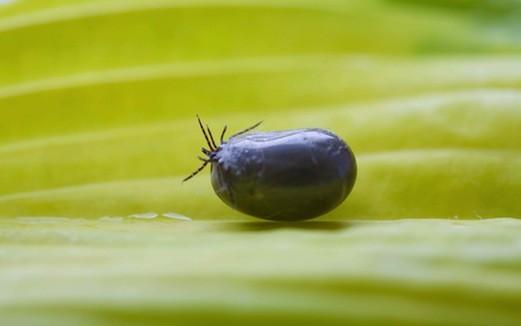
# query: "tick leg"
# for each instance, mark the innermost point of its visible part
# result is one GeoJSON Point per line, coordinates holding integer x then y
{"type": "Point", "coordinates": [211, 137]}
{"type": "Point", "coordinates": [204, 133]}
{"type": "Point", "coordinates": [246, 130]}
{"type": "Point", "coordinates": [196, 171]}
{"type": "Point", "coordinates": [205, 151]}
{"type": "Point", "coordinates": [222, 133]}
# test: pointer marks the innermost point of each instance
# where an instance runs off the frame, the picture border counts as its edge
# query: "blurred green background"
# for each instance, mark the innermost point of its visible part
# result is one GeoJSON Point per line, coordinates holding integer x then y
{"type": "Point", "coordinates": [98, 101]}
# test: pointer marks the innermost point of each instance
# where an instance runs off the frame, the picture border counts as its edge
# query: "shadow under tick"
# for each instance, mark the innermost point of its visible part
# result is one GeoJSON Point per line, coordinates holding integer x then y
{"type": "Point", "coordinates": [274, 226]}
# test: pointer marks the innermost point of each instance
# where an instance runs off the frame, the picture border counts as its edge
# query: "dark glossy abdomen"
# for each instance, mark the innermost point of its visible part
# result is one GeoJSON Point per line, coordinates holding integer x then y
{"type": "Point", "coordinates": [285, 175]}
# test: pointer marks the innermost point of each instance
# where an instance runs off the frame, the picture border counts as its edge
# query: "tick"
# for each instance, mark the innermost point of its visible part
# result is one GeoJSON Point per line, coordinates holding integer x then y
{"type": "Point", "coordinates": [288, 175]}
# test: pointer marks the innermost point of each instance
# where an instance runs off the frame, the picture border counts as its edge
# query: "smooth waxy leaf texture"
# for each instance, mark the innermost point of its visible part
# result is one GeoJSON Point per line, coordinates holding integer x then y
{"type": "Point", "coordinates": [131, 272]}
{"type": "Point", "coordinates": [97, 129]}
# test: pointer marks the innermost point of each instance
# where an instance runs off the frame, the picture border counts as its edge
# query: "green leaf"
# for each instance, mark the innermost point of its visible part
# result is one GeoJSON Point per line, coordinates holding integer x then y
{"type": "Point", "coordinates": [98, 102]}
{"type": "Point", "coordinates": [62, 271]}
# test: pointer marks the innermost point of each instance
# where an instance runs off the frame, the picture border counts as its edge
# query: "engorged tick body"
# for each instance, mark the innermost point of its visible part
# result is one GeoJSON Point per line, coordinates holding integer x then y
{"type": "Point", "coordinates": [287, 175]}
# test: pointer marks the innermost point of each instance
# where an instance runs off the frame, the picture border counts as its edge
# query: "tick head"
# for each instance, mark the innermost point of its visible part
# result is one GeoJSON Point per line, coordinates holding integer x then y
{"type": "Point", "coordinates": [212, 150]}
{"type": "Point", "coordinates": [211, 155]}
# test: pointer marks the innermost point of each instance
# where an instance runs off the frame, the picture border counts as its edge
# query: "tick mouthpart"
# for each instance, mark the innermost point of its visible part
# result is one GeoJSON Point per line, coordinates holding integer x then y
{"type": "Point", "coordinates": [213, 155]}
{"type": "Point", "coordinates": [210, 154]}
